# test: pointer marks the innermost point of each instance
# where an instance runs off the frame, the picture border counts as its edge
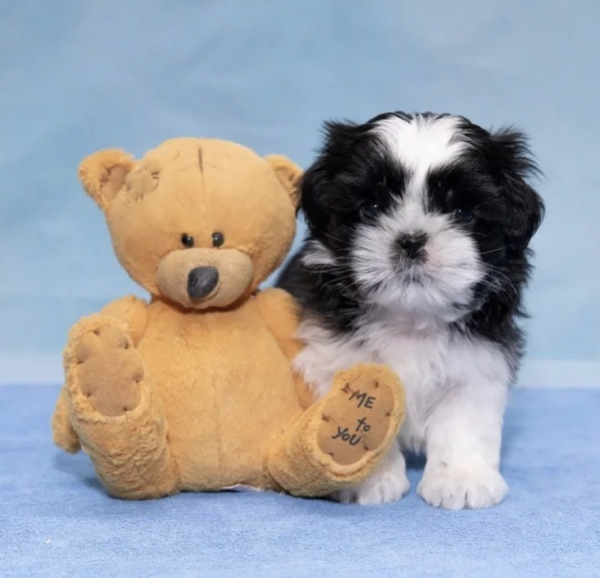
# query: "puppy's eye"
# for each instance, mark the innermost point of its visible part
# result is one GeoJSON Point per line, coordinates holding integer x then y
{"type": "Point", "coordinates": [187, 240]}
{"type": "Point", "coordinates": [464, 217]}
{"type": "Point", "coordinates": [369, 209]}
{"type": "Point", "coordinates": [217, 239]}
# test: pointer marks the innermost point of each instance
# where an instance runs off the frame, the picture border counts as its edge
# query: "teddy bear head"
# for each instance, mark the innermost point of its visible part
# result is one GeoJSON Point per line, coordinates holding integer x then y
{"type": "Point", "coordinates": [199, 222]}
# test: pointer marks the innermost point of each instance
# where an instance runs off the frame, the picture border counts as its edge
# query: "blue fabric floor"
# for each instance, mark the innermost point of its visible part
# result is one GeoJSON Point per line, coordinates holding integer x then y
{"type": "Point", "coordinates": [56, 521]}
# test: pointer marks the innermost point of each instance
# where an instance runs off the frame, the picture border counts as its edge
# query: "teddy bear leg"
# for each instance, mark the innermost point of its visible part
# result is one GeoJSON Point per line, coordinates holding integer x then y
{"type": "Point", "coordinates": [115, 412]}
{"type": "Point", "coordinates": [64, 435]}
{"type": "Point", "coordinates": [340, 440]}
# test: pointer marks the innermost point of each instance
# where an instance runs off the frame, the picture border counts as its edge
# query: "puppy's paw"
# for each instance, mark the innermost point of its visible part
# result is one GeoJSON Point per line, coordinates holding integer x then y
{"type": "Point", "coordinates": [387, 484]}
{"type": "Point", "coordinates": [455, 488]}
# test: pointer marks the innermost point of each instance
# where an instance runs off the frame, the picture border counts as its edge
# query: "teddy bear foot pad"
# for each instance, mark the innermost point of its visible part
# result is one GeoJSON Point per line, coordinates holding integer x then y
{"type": "Point", "coordinates": [360, 415]}
{"type": "Point", "coordinates": [109, 370]}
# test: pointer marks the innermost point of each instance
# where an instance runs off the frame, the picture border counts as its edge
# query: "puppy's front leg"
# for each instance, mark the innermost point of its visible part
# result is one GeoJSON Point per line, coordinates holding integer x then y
{"type": "Point", "coordinates": [463, 442]}
{"type": "Point", "coordinates": [387, 483]}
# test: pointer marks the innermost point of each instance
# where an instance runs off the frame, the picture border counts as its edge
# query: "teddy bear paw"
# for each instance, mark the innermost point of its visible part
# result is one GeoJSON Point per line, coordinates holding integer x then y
{"type": "Point", "coordinates": [362, 415]}
{"type": "Point", "coordinates": [109, 370]}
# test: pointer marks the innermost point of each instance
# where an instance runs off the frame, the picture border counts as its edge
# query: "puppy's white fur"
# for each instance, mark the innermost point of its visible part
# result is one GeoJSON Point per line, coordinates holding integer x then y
{"type": "Point", "coordinates": [422, 143]}
{"type": "Point", "coordinates": [456, 387]}
{"type": "Point", "coordinates": [456, 394]}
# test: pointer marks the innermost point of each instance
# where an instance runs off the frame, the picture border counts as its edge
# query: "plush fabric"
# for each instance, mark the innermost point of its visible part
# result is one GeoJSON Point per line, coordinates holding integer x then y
{"type": "Point", "coordinates": [56, 520]}
{"type": "Point", "coordinates": [194, 390]}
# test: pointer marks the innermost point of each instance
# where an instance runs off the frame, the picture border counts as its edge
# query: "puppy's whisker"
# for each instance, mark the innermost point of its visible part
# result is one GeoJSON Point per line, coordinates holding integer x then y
{"type": "Point", "coordinates": [500, 249]}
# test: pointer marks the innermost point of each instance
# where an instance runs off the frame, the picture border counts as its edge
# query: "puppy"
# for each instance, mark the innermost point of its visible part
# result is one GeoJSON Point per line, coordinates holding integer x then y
{"type": "Point", "coordinates": [417, 257]}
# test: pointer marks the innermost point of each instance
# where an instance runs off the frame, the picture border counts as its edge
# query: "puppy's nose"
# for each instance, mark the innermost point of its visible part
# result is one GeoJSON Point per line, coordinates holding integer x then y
{"type": "Point", "coordinates": [412, 246]}
{"type": "Point", "coordinates": [202, 281]}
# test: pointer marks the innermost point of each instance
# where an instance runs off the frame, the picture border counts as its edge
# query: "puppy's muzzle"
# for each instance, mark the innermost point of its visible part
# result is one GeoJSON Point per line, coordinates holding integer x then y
{"type": "Point", "coordinates": [202, 281]}
{"type": "Point", "coordinates": [411, 246]}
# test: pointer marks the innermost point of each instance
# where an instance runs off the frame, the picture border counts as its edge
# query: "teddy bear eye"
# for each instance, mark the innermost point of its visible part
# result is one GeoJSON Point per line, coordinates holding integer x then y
{"type": "Point", "coordinates": [217, 239]}
{"type": "Point", "coordinates": [187, 240]}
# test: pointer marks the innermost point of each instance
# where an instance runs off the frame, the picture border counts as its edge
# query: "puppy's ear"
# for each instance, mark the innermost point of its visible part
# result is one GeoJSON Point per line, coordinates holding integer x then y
{"type": "Point", "coordinates": [103, 175]}
{"type": "Point", "coordinates": [319, 198]}
{"type": "Point", "coordinates": [288, 173]}
{"type": "Point", "coordinates": [313, 197]}
{"type": "Point", "coordinates": [525, 206]}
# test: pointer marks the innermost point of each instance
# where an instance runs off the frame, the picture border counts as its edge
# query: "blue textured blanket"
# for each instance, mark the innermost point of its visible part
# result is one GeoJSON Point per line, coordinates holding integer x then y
{"type": "Point", "coordinates": [56, 521]}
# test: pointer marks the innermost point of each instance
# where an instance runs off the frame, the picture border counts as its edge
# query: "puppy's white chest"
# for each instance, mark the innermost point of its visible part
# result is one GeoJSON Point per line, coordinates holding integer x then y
{"type": "Point", "coordinates": [429, 363]}
{"type": "Point", "coordinates": [423, 364]}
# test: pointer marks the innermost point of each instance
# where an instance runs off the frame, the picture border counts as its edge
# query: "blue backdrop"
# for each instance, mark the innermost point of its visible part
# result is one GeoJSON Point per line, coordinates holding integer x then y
{"type": "Point", "coordinates": [77, 76]}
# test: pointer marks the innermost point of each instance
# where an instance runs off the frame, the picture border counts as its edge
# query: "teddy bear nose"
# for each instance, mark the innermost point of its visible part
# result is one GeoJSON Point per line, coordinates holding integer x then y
{"type": "Point", "coordinates": [201, 281]}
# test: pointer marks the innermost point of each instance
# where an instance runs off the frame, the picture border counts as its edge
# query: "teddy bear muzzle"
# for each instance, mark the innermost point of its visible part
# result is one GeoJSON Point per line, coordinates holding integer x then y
{"type": "Point", "coordinates": [200, 278]}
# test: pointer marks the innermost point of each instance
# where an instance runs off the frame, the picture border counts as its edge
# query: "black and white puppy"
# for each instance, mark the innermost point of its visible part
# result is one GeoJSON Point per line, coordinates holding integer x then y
{"type": "Point", "coordinates": [417, 257]}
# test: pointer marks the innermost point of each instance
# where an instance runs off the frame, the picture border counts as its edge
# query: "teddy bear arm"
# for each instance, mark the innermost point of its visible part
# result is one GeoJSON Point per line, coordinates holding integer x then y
{"type": "Point", "coordinates": [133, 312]}
{"type": "Point", "coordinates": [279, 311]}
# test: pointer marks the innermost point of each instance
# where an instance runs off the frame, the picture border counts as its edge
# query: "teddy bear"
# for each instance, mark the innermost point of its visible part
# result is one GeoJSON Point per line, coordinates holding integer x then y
{"type": "Point", "coordinates": [194, 389]}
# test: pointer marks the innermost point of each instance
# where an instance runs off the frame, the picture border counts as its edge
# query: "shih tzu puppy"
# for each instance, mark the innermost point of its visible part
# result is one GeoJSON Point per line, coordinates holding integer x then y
{"type": "Point", "coordinates": [417, 257]}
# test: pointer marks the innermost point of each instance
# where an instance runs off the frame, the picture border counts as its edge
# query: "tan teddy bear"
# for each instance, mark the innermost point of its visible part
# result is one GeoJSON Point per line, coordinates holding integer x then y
{"type": "Point", "coordinates": [194, 390]}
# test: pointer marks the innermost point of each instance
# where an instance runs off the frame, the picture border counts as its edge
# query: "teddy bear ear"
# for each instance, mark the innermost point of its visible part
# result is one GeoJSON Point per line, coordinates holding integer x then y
{"type": "Point", "coordinates": [288, 173]}
{"type": "Point", "coordinates": [103, 175]}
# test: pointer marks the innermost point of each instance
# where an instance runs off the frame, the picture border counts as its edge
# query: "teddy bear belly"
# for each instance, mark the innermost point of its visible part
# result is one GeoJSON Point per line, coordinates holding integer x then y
{"type": "Point", "coordinates": [226, 395]}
